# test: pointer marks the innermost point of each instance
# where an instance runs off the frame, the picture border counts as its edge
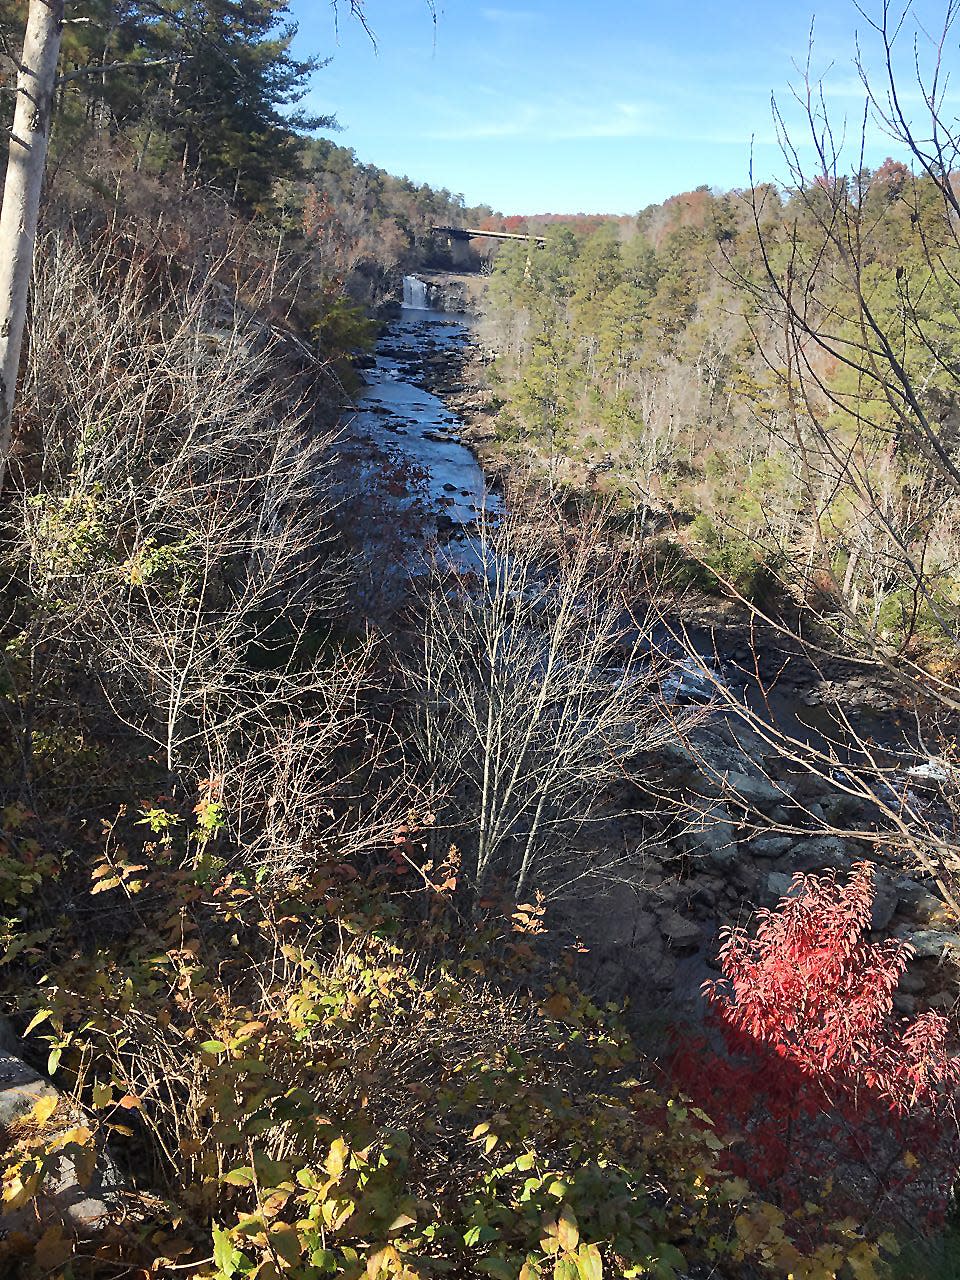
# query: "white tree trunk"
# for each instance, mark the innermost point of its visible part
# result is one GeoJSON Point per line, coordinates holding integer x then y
{"type": "Point", "coordinates": [36, 83]}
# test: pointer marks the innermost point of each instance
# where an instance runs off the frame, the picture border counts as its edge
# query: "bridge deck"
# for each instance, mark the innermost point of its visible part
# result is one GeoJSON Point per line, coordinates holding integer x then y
{"type": "Point", "coordinates": [466, 233]}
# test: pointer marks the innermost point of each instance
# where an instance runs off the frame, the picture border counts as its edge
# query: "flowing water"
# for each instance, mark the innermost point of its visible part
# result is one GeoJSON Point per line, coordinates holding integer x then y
{"type": "Point", "coordinates": [416, 294]}
{"type": "Point", "coordinates": [413, 431]}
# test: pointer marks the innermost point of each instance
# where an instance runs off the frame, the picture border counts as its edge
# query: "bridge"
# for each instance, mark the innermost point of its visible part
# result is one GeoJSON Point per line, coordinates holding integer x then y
{"type": "Point", "coordinates": [458, 238]}
{"type": "Point", "coordinates": [465, 233]}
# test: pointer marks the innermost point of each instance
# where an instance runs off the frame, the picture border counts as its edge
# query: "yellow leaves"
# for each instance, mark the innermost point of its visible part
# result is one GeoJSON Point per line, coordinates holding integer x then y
{"type": "Point", "coordinates": [381, 1261]}
{"type": "Point", "coordinates": [490, 1140]}
{"type": "Point", "coordinates": [568, 1232]}
{"type": "Point", "coordinates": [760, 1227]}
{"type": "Point", "coordinates": [889, 1244]}
{"type": "Point", "coordinates": [560, 1234]}
{"type": "Point", "coordinates": [336, 1212]}
{"type": "Point", "coordinates": [336, 1160]}
{"type": "Point", "coordinates": [21, 1185]}
{"type": "Point", "coordinates": [43, 1109]}
{"type": "Point", "coordinates": [863, 1260]}
{"type": "Point", "coordinates": [734, 1189]}
{"type": "Point", "coordinates": [557, 1006]}
{"type": "Point", "coordinates": [111, 875]}
{"type": "Point", "coordinates": [910, 1160]}
{"type": "Point", "coordinates": [35, 1021]}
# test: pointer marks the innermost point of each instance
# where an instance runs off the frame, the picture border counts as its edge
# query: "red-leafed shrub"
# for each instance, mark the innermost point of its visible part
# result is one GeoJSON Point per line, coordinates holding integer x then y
{"type": "Point", "coordinates": [823, 1086]}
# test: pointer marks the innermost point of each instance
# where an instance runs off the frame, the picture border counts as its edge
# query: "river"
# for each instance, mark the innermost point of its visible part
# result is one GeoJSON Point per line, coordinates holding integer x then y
{"type": "Point", "coordinates": [416, 432]}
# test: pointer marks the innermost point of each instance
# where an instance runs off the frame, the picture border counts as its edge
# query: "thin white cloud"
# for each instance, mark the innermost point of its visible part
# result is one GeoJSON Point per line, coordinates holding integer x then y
{"type": "Point", "coordinates": [557, 121]}
{"type": "Point", "coordinates": [509, 17]}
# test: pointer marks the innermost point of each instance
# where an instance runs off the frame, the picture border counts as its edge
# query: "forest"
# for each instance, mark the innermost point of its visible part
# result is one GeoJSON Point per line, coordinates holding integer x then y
{"type": "Point", "coordinates": [584, 906]}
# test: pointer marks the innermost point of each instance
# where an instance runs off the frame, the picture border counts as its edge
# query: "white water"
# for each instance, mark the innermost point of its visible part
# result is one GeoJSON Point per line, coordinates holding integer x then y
{"type": "Point", "coordinates": [415, 294]}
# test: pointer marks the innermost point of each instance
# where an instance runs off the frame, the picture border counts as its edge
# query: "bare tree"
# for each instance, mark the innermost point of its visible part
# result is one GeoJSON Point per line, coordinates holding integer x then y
{"type": "Point", "coordinates": [863, 352]}
{"type": "Point", "coordinates": [531, 689]}
{"type": "Point", "coordinates": [36, 84]}
{"type": "Point", "coordinates": [174, 545]}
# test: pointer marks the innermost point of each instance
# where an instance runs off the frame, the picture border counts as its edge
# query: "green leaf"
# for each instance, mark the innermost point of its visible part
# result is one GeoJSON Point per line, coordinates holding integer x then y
{"type": "Point", "coordinates": [285, 1239]}
{"type": "Point", "coordinates": [589, 1262]}
{"type": "Point", "coordinates": [498, 1267]}
{"type": "Point", "coordinates": [213, 1046]}
{"type": "Point", "coordinates": [102, 1095]}
{"type": "Point", "coordinates": [226, 1256]}
{"type": "Point", "coordinates": [671, 1261]}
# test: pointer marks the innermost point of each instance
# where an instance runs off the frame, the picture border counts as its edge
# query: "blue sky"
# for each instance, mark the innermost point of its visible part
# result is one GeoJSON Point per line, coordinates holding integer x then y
{"type": "Point", "coordinates": [588, 105]}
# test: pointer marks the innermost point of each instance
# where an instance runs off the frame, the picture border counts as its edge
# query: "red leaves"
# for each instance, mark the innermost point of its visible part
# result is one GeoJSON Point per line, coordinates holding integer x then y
{"type": "Point", "coordinates": [812, 987]}
{"type": "Point", "coordinates": [816, 1060]}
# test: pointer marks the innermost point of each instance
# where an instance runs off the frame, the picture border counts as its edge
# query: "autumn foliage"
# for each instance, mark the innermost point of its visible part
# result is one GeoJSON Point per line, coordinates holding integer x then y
{"type": "Point", "coordinates": [817, 1073]}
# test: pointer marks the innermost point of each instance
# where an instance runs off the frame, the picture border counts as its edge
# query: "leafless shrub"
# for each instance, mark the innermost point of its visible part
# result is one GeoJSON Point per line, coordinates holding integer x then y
{"type": "Point", "coordinates": [530, 690]}
{"type": "Point", "coordinates": [174, 537]}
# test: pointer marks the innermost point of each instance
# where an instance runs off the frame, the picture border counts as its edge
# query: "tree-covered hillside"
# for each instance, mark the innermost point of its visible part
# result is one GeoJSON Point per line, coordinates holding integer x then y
{"type": "Point", "coordinates": [649, 362]}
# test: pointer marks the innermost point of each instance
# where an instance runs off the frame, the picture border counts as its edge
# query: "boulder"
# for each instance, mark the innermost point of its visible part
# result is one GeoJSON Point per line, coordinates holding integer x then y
{"type": "Point", "coordinates": [885, 903]}
{"type": "Point", "coordinates": [769, 845]}
{"type": "Point", "coordinates": [930, 944]}
{"type": "Point", "coordinates": [681, 933]}
{"type": "Point", "coordinates": [755, 790]}
{"type": "Point", "coordinates": [921, 904]}
{"type": "Point", "coordinates": [63, 1199]}
{"type": "Point", "coordinates": [912, 983]}
{"type": "Point", "coordinates": [819, 853]}
{"type": "Point", "coordinates": [778, 885]}
{"type": "Point", "coordinates": [663, 975]}
{"type": "Point", "coordinates": [836, 805]}
{"type": "Point", "coordinates": [714, 835]}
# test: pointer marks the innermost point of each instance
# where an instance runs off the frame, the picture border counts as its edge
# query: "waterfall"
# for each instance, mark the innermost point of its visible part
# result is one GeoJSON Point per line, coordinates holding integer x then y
{"type": "Point", "coordinates": [415, 294]}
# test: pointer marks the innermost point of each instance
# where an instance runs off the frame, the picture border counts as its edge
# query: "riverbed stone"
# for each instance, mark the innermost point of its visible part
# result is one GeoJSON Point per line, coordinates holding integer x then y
{"type": "Point", "coordinates": [769, 845]}
{"type": "Point", "coordinates": [931, 944]}
{"type": "Point", "coordinates": [63, 1199]}
{"type": "Point", "coordinates": [754, 789]}
{"type": "Point", "coordinates": [921, 904]}
{"type": "Point", "coordinates": [715, 835]}
{"type": "Point", "coordinates": [905, 1004]}
{"type": "Point", "coordinates": [778, 885]}
{"type": "Point", "coordinates": [912, 982]}
{"type": "Point", "coordinates": [885, 903]}
{"type": "Point", "coordinates": [819, 854]}
{"type": "Point", "coordinates": [682, 933]}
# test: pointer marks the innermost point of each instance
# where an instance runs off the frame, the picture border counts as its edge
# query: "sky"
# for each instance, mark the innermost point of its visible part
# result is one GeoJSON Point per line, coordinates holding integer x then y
{"type": "Point", "coordinates": [598, 106]}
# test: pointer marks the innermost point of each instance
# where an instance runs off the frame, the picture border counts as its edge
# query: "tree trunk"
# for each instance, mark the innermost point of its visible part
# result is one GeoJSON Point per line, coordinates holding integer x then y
{"type": "Point", "coordinates": [36, 84]}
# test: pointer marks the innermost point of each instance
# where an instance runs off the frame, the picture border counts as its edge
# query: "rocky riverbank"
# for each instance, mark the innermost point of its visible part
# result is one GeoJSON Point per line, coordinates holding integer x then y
{"type": "Point", "coordinates": [803, 766]}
